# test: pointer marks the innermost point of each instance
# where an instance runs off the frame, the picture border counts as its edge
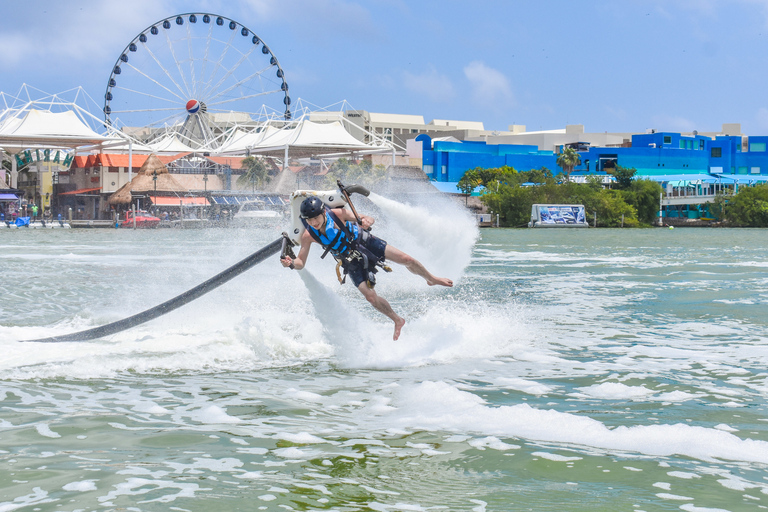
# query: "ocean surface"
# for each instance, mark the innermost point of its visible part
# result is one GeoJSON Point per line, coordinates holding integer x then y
{"type": "Point", "coordinates": [576, 369]}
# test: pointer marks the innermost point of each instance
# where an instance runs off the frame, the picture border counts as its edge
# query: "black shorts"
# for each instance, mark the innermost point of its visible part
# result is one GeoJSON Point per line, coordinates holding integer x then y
{"type": "Point", "coordinates": [356, 271]}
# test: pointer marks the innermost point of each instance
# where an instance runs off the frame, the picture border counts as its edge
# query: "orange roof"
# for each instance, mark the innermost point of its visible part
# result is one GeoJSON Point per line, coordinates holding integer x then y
{"type": "Point", "coordinates": [234, 163]}
{"type": "Point", "coordinates": [120, 160]}
{"type": "Point", "coordinates": [80, 191]}
{"type": "Point", "coordinates": [297, 168]}
{"type": "Point", "coordinates": [176, 201]}
{"type": "Point", "coordinates": [166, 159]}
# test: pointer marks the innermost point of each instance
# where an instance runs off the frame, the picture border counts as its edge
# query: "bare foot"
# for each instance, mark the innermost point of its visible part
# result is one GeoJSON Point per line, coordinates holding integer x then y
{"type": "Point", "coordinates": [442, 281]}
{"type": "Point", "coordinates": [398, 326]}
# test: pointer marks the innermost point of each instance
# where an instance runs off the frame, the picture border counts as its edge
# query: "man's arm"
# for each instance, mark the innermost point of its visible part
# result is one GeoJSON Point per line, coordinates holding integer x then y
{"type": "Point", "coordinates": [300, 261]}
{"type": "Point", "coordinates": [345, 214]}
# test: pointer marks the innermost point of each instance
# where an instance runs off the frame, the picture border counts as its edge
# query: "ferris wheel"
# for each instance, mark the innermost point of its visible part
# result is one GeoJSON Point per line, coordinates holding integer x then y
{"type": "Point", "coordinates": [194, 74]}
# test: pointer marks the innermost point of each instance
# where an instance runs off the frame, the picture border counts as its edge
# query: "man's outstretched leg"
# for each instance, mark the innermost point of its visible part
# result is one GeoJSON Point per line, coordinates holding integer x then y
{"type": "Point", "coordinates": [415, 266]}
{"type": "Point", "coordinates": [382, 306]}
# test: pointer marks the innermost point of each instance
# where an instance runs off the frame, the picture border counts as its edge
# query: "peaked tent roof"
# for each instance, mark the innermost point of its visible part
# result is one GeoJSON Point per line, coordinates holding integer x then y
{"type": "Point", "coordinates": [242, 140]}
{"type": "Point", "coordinates": [303, 139]}
{"type": "Point", "coordinates": [41, 128]}
{"type": "Point", "coordinates": [170, 144]}
{"type": "Point", "coordinates": [308, 134]}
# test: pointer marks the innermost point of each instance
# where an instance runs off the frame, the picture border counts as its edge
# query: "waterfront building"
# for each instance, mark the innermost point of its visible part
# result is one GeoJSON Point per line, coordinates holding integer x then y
{"type": "Point", "coordinates": [692, 169]}
{"type": "Point", "coordinates": [400, 128]}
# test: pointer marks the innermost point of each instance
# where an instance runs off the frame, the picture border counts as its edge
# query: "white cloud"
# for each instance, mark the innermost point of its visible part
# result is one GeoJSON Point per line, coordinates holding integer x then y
{"type": "Point", "coordinates": [490, 87]}
{"type": "Point", "coordinates": [431, 84]}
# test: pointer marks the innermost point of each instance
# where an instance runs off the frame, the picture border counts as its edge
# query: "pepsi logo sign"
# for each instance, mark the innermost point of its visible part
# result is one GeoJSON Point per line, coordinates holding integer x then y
{"type": "Point", "coordinates": [193, 106]}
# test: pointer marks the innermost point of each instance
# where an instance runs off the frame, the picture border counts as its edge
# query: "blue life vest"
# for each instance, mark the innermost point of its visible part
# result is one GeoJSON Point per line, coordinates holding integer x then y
{"type": "Point", "coordinates": [335, 239]}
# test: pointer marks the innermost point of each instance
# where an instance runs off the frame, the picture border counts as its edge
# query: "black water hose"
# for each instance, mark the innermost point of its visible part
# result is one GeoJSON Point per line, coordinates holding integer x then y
{"type": "Point", "coordinates": [176, 302]}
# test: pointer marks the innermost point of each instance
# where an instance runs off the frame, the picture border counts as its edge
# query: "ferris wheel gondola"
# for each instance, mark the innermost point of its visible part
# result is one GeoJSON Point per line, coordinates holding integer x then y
{"type": "Point", "coordinates": [194, 74]}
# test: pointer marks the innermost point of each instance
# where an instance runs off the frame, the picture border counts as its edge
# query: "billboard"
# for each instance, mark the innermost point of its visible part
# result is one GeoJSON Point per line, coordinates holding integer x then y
{"type": "Point", "coordinates": [554, 215]}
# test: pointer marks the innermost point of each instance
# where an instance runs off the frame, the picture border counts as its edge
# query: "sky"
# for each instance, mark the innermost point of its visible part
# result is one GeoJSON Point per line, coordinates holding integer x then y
{"type": "Point", "coordinates": [611, 65]}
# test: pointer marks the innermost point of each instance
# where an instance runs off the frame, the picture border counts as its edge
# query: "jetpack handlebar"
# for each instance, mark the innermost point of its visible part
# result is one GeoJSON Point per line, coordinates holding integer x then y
{"type": "Point", "coordinates": [352, 189]}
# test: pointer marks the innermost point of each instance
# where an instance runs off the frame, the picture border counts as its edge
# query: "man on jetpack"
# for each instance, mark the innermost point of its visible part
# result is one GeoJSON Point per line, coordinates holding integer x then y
{"type": "Point", "coordinates": [346, 235]}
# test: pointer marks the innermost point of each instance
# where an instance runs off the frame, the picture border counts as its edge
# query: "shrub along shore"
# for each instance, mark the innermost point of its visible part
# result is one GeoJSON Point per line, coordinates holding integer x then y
{"type": "Point", "coordinates": [630, 202]}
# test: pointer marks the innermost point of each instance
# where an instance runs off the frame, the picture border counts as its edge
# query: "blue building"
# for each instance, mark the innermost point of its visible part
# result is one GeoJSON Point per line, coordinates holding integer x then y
{"type": "Point", "coordinates": [654, 155]}
{"type": "Point", "coordinates": [447, 161]}
{"type": "Point", "coordinates": [691, 169]}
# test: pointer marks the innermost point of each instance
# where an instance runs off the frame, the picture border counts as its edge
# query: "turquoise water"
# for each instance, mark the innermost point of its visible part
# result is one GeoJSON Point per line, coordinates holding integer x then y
{"type": "Point", "coordinates": [567, 370]}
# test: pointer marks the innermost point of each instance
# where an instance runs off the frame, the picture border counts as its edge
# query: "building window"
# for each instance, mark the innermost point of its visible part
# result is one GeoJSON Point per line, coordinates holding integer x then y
{"type": "Point", "coordinates": [757, 147]}
{"type": "Point", "coordinates": [755, 170]}
{"type": "Point", "coordinates": [717, 152]}
{"type": "Point", "coordinates": [445, 170]}
{"type": "Point", "coordinates": [742, 170]}
{"type": "Point", "coordinates": [701, 143]}
{"type": "Point", "coordinates": [413, 130]}
{"type": "Point", "coordinates": [667, 139]}
{"type": "Point", "coordinates": [428, 169]}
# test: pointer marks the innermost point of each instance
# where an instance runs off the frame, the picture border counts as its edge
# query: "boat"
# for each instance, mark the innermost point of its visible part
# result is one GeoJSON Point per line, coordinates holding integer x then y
{"type": "Point", "coordinates": [256, 213]}
{"type": "Point", "coordinates": [143, 220]}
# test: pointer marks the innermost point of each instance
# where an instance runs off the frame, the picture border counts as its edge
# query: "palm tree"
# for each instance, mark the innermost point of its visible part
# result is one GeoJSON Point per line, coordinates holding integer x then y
{"type": "Point", "coordinates": [567, 160]}
{"type": "Point", "coordinates": [256, 173]}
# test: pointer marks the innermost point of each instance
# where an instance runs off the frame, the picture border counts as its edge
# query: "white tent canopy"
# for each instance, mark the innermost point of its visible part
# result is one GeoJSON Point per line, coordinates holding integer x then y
{"type": "Point", "coordinates": [39, 128]}
{"type": "Point", "coordinates": [240, 141]}
{"type": "Point", "coordinates": [301, 139]}
{"type": "Point", "coordinates": [310, 134]}
{"type": "Point", "coordinates": [170, 144]}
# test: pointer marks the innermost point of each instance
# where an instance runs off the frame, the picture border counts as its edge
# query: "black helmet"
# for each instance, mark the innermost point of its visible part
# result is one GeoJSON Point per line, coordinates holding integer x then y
{"type": "Point", "coordinates": [311, 207]}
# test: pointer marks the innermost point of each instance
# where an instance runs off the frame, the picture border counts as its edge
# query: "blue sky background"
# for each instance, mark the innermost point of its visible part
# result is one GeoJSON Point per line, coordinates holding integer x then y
{"type": "Point", "coordinates": [612, 65]}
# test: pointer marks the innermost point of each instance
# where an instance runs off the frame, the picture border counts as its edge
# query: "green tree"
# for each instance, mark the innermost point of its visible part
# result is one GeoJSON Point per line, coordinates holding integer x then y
{"type": "Point", "coordinates": [643, 195]}
{"type": "Point", "coordinates": [256, 173]}
{"type": "Point", "coordinates": [749, 207]}
{"type": "Point", "coordinates": [567, 160]}
{"type": "Point", "coordinates": [623, 176]}
{"type": "Point", "coordinates": [469, 182]}
{"type": "Point", "coordinates": [717, 206]}
{"type": "Point", "coordinates": [595, 182]}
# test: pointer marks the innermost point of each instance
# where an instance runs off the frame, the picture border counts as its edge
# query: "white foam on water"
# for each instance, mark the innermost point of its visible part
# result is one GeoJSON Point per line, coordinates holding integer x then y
{"type": "Point", "coordinates": [439, 406]}
{"type": "Point", "coordinates": [614, 391]}
{"type": "Point", "coordinates": [82, 486]}
{"type": "Point", "coordinates": [525, 385]}
{"type": "Point", "coordinates": [555, 457]}
{"type": "Point", "coordinates": [44, 430]}
{"type": "Point", "coordinates": [689, 507]}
